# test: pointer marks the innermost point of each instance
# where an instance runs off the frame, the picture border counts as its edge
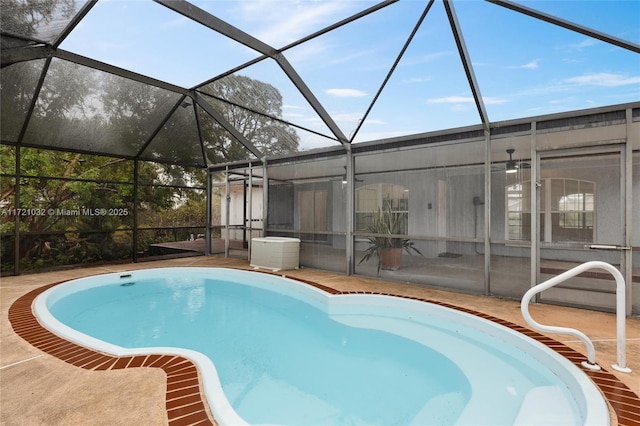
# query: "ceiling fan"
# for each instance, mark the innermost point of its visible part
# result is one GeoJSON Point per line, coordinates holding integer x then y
{"type": "Point", "coordinates": [512, 165]}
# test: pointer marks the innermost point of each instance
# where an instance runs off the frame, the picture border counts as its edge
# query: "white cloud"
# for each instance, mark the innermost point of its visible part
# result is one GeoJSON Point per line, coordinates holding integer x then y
{"type": "Point", "coordinates": [582, 83]}
{"type": "Point", "coordinates": [323, 53]}
{"type": "Point", "coordinates": [528, 66]}
{"type": "Point", "coordinates": [359, 54]}
{"type": "Point", "coordinates": [346, 93]}
{"type": "Point", "coordinates": [292, 115]}
{"type": "Point", "coordinates": [603, 79]}
{"type": "Point", "coordinates": [416, 80]}
{"type": "Point", "coordinates": [494, 101]}
{"type": "Point", "coordinates": [588, 42]}
{"type": "Point", "coordinates": [460, 100]}
{"type": "Point", "coordinates": [421, 59]}
{"type": "Point", "coordinates": [352, 117]}
{"type": "Point", "coordinates": [465, 99]}
{"type": "Point", "coordinates": [308, 51]}
{"type": "Point", "coordinates": [375, 121]}
{"type": "Point", "coordinates": [450, 100]}
{"type": "Point", "coordinates": [289, 106]}
{"type": "Point", "coordinates": [181, 21]}
{"type": "Point", "coordinates": [282, 25]}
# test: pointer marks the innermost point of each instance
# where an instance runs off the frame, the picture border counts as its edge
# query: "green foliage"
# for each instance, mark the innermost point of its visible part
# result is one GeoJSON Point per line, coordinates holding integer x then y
{"type": "Point", "coordinates": [69, 189]}
{"type": "Point", "coordinates": [73, 248]}
{"type": "Point", "coordinates": [385, 224]}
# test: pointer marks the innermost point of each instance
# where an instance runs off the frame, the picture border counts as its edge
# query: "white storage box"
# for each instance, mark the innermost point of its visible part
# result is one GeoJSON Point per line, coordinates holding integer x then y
{"type": "Point", "coordinates": [275, 253]}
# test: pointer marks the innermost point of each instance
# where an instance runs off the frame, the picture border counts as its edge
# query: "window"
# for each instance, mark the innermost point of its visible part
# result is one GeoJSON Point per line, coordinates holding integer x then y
{"type": "Point", "coordinates": [313, 214]}
{"type": "Point", "coordinates": [372, 198]}
{"type": "Point", "coordinates": [518, 211]}
{"type": "Point", "coordinates": [567, 210]}
{"type": "Point", "coordinates": [571, 210]}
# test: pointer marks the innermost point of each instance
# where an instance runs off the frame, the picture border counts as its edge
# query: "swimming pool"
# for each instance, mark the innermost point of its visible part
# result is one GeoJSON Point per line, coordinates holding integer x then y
{"type": "Point", "coordinates": [273, 350]}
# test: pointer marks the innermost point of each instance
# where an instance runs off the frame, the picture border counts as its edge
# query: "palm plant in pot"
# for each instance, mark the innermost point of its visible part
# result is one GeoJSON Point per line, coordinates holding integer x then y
{"type": "Point", "coordinates": [387, 249]}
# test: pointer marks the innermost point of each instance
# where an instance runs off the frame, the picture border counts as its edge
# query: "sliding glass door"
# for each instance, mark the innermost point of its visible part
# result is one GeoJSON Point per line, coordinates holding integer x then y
{"type": "Point", "coordinates": [580, 217]}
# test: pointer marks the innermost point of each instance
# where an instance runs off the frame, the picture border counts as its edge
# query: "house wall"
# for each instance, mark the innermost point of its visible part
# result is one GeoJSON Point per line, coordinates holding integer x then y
{"type": "Point", "coordinates": [443, 180]}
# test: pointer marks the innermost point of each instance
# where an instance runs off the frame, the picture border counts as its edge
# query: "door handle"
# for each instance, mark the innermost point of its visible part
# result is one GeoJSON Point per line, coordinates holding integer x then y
{"type": "Point", "coordinates": [606, 247]}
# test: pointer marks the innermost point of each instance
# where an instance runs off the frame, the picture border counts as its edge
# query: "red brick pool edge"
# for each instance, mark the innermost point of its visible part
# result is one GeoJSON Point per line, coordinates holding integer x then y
{"type": "Point", "coordinates": [186, 404]}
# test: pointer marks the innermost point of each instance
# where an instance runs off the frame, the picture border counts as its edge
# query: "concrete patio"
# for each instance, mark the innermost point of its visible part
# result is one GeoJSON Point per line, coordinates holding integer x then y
{"type": "Point", "coordinates": [37, 388]}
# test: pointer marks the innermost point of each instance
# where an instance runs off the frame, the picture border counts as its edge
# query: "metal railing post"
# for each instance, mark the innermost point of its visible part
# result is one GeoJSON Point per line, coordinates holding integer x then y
{"type": "Point", "coordinates": [620, 314]}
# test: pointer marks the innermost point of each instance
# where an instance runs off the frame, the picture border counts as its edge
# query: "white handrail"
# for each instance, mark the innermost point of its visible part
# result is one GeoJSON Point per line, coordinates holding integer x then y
{"type": "Point", "coordinates": [620, 313]}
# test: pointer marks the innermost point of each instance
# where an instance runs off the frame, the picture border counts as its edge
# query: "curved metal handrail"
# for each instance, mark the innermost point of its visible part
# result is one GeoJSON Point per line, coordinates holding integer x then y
{"type": "Point", "coordinates": [620, 313]}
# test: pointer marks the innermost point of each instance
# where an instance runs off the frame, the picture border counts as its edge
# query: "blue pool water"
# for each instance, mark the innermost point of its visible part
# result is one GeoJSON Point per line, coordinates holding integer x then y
{"type": "Point", "coordinates": [286, 353]}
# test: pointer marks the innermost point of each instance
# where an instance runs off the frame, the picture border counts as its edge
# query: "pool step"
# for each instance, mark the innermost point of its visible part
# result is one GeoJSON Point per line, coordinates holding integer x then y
{"type": "Point", "coordinates": [545, 406]}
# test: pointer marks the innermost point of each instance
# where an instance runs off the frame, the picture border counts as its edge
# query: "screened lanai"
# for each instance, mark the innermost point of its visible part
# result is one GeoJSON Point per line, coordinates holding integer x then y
{"type": "Point", "coordinates": [503, 136]}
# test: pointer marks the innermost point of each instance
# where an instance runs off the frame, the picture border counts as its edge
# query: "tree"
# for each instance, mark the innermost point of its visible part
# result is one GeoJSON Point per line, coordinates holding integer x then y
{"type": "Point", "coordinates": [80, 207]}
{"type": "Point", "coordinates": [25, 17]}
{"type": "Point", "coordinates": [269, 135]}
{"type": "Point", "coordinates": [133, 112]}
{"type": "Point", "coordinates": [82, 110]}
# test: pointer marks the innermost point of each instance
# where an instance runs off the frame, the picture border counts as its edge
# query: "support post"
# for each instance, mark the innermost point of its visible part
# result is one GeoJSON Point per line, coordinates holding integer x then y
{"type": "Point", "coordinates": [136, 176]}
{"type": "Point", "coordinates": [250, 213]}
{"type": "Point", "coordinates": [487, 211]}
{"type": "Point", "coordinates": [265, 196]}
{"type": "Point", "coordinates": [349, 199]}
{"type": "Point", "coordinates": [227, 231]}
{"type": "Point", "coordinates": [207, 230]}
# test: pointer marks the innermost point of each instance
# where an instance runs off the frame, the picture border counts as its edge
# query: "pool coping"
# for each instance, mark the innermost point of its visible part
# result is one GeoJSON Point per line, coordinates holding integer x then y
{"type": "Point", "coordinates": [185, 401]}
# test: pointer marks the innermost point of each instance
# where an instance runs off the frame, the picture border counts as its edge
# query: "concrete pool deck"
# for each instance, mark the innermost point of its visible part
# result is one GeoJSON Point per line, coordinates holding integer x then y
{"type": "Point", "coordinates": [38, 388]}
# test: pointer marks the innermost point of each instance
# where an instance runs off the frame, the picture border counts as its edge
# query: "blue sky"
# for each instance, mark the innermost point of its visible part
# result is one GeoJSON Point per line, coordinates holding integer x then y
{"type": "Point", "coordinates": [524, 67]}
